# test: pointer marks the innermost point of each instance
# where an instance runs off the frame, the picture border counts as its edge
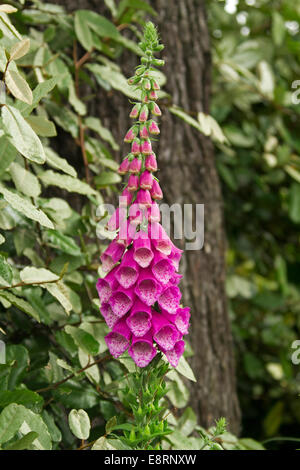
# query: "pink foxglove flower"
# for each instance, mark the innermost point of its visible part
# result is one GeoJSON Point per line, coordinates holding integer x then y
{"type": "Point", "coordinates": [135, 166]}
{"type": "Point", "coordinates": [124, 167]}
{"type": "Point", "coordinates": [153, 128]}
{"type": "Point", "coordinates": [146, 180]}
{"type": "Point", "coordinates": [140, 295]}
{"type": "Point", "coordinates": [142, 350]}
{"type": "Point", "coordinates": [156, 191]}
{"type": "Point", "coordinates": [151, 163]}
{"type": "Point", "coordinates": [118, 339]}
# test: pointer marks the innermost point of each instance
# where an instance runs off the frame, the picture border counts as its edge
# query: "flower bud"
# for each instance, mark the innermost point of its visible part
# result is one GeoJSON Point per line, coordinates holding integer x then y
{"type": "Point", "coordinates": [154, 213]}
{"type": "Point", "coordinates": [144, 198]}
{"type": "Point", "coordinates": [146, 84]}
{"type": "Point", "coordinates": [154, 85]}
{"type": "Point", "coordinates": [135, 111]}
{"type": "Point", "coordinates": [133, 183]}
{"type": "Point", "coordinates": [151, 163]}
{"type": "Point", "coordinates": [146, 180]}
{"type": "Point", "coordinates": [155, 109]}
{"type": "Point", "coordinates": [144, 114]}
{"type": "Point", "coordinates": [135, 166]}
{"type": "Point", "coordinates": [153, 95]}
{"type": "Point", "coordinates": [135, 147]}
{"type": "Point", "coordinates": [156, 191]}
{"type": "Point", "coordinates": [131, 134]}
{"type": "Point", "coordinates": [144, 132]}
{"type": "Point", "coordinates": [146, 147]}
{"type": "Point", "coordinates": [125, 198]}
{"type": "Point", "coordinates": [153, 128]}
{"type": "Point", "coordinates": [123, 168]}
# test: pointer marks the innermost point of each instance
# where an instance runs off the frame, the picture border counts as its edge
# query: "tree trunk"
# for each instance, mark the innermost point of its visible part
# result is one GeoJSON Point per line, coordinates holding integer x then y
{"type": "Point", "coordinates": [188, 176]}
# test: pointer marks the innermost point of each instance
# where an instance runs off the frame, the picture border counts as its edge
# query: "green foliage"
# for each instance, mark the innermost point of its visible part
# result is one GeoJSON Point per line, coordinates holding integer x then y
{"type": "Point", "coordinates": [255, 57]}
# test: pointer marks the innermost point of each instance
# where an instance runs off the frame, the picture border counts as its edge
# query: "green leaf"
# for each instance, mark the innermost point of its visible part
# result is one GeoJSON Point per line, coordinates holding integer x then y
{"type": "Point", "coordinates": [2, 239]}
{"type": "Point", "coordinates": [267, 82]}
{"type": "Point", "coordinates": [110, 425]}
{"type": "Point", "coordinates": [40, 91]}
{"type": "Point", "coordinates": [96, 125]}
{"type": "Point", "coordinates": [83, 31]}
{"type": "Point", "coordinates": [83, 339]}
{"type": "Point", "coordinates": [19, 49]}
{"type": "Point", "coordinates": [86, 20]}
{"type": "Point", "coordinates": [27, 398]}
{"type": "Point", "coordinates": [73, 185]}
{"type": "Point", "coordinates": [11, 420]}
{"type": "Point", "coordinates": [52, 428]}
{"type": "Point", "coordinates": [21, 136]}
{"type": "Point", "coordinates": [251, 444]}
{"type": "Point", "coordinates": [21, 204]}
{"type": "Point", "coordinates": [63, 243]}
{"type": "Point", "coordinates": [24, 180]}
{"type": "Point", "coordinates": [107, 178]}
{"type": "Point", "coordinates": [16, 418]}
{"type": "Point", "coordinates": [41, 126]}
{"type": "Point", "coordinates": [18, 87]}
{"type": "Point", "coordinates": [23, 443]}
{"type": "Point", "coordinates": [104, 444]}
{"type": "Point", "coordinates": [114, 78]}
{"type": "Point", "coordinates": [294, 203]}
{"type": "Point", "coordinates": [7, 154]}
{"type": "Point", "coordinates": [60, 292]}
{"type": "Point", "coordinates": [79, 423]}
{"type": "Point", "coordinates": [77, 104]}
{"type": "Point", "coordinates": [7, 8]}
{"type": "Point", "coordinates": [20, 304]}
{"type": "Point", "coordinates": [278, 28]}
{"type": "Point", "coordinates": [6, 273]}
{"type": "Point", "coordinates": [17, 354]}
{"type": "Point", "coordinates": [135, 5]}
{"type": "Point", "coordinates": [31, 275]}
{"type": "Point", "coordinates": [59, 163]}
{"type": "Point", "coordinates": [184, 369]}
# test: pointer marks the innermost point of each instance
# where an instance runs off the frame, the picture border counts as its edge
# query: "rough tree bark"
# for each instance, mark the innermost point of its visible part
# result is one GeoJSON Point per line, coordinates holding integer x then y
{"type": "Point", "coordinates": [188, 176]}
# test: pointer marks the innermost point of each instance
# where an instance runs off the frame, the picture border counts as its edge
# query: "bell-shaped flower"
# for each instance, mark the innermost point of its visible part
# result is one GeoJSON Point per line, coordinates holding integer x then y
{"type": "Point", "coordinates": [146, 147]}
{"type": "Point", "coordinates": [133, 183]}
{"type": "Point", "coordinates": [181, 319]}
{"type": "Point", "coordinates": [139, 320]}
{"type": "Point", "coordinates": [160, 240]}
{"type": "Point", "coordinates": [162, 268]}
{"type": "Point", "coordinates": [169, 299]}
{"type": "Point", "coordinates": [121, 301]}
{"type": "Point", "coordinates": [128, 271]}
{"type": "Point", "coordinates": [151, 163]}
{"type": "Point", "coordinates": [153, 213]}
{"type": "Point", "coordinates": [123, 168]}
{"type": "Point", "coordinates": [174, 354]}
{"type": "Point", "coordinates": [135, 166]}
{"type": "Point", "coordinates": [143, 198]}
{"type": "Point", "coordinates": [142, 350]}
{"type": "Point", "coordinates": [106, 285]}
{"type": "Point", "coordinates": [164, 333]}
{"type": "Point", "coordinates": [156, 192]}
{"type": "Point", "coordinates": [108, 315]}
{"type": "Point", "coordinates": [111, 255]}
{"type": "Point", "coordinates": [118, 339]}
{"type": "Point", "coordinates": [143, 253]}
{"type": "Point", "coordinates": [146, 180]}
{"type": "Point", "coordinates": [147, 287]}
